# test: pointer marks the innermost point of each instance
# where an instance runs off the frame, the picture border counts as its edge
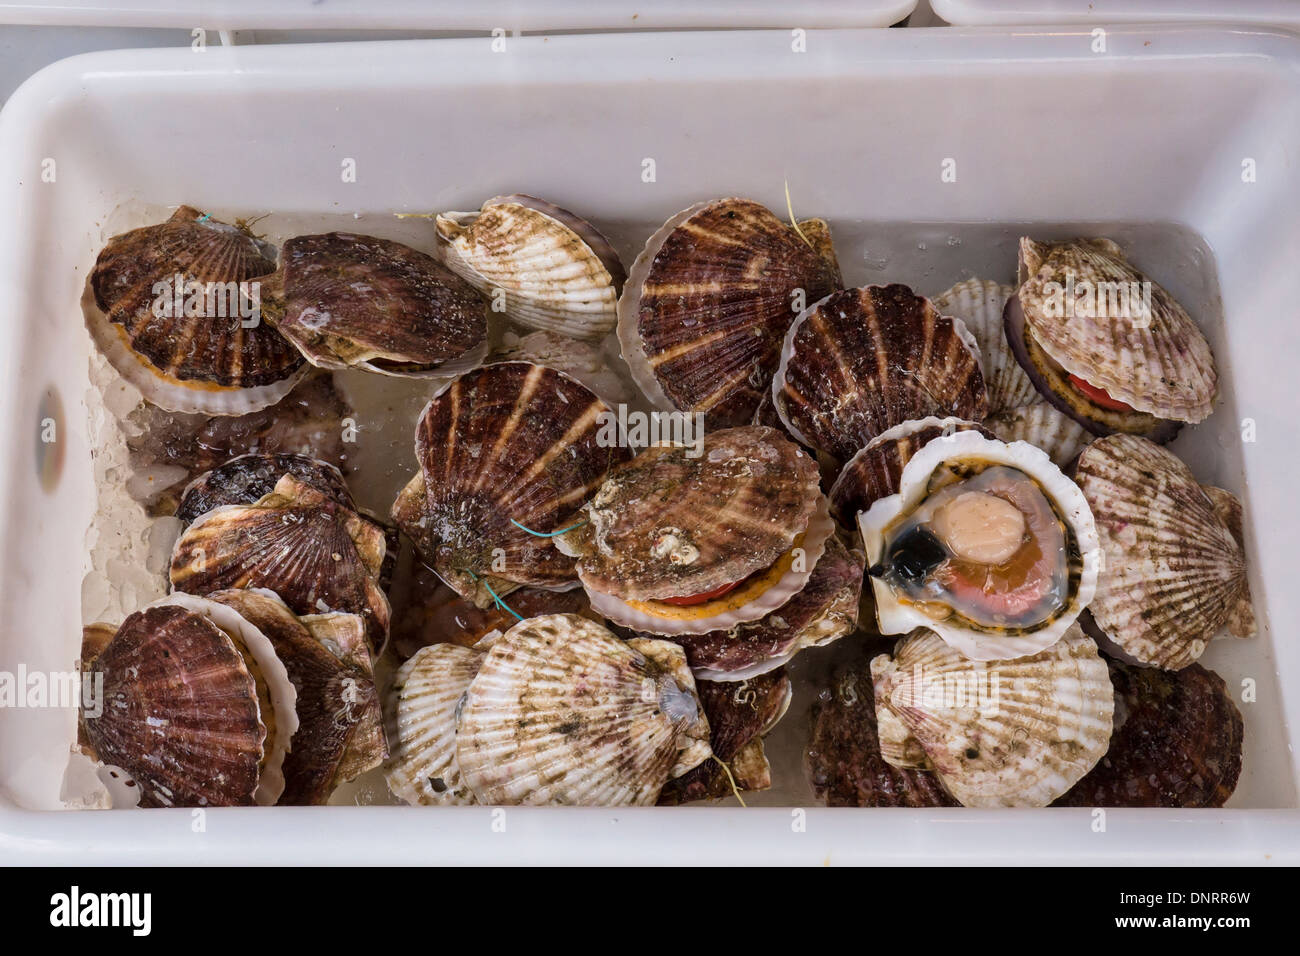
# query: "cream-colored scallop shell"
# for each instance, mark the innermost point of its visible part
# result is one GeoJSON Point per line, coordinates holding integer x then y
{"type": "Point", "coordinates": [1043, 427]}
{"type": "Point", "coordinates": [426, 694]}
{"type": "Point", "coordinates": [563, 712]}
{"type": "Point", "coordinates": [997, 733]}
{"type": "Point", "coordinates": [979, 304]}
{"type": "Point", "coordinates": [1241, 619]}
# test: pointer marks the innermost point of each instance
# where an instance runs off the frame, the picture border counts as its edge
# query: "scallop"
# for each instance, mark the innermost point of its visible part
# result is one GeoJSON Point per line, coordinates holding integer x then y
{"type": "Point", "coordinates": [352, 301]}
{"type": "Point", "coordinates": [1173, 573]}
{"type": "Point", "coordinates": [317, 555]}
{"type": "Point", "coordinates": [175, 308]}
{"type": "Point", "coordinates": [553, 270]}
{"type": "Point", "coordinates": [576, 358]}
{"type": "Point", "coordinates": [1241, 619]}
{"type": "Point", "coordinates": [1044, 427]}
{"type": "Point", "coordinates": [980, 303]}
{"type": "Point", "coordinates": [996, 733]}
{"type": "Point", "coordinates": [862, 361]}
{"type": "Point", "coordinates": [1107, 345]}
{"type": "Point", "coordinates": [686, 540]}
{"type": "Point", "coordinates": [508, 454]}
{"type": "Point", "coordinates": [197, 708]}
{"type": "Point", "coordinates": [709, 300]}
{"type": "Point", "coordinates": [245, 479]}
{"type": "Point", "coordinates": [985, 543]}
{"type": "Point", "coordinates": [563, 712]}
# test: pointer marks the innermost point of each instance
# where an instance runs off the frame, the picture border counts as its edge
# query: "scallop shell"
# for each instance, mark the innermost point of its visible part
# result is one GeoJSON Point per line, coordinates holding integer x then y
{"type": "Point", "coordinates": [350, 301]}
{"type": "Point", "coordinates": [979, 303]}
{"type": "Point", "coordinates": [897, 617]}
{"type": "Point", "coordinates": [508, 445]}
{"type": "Point", "coordinates": [340, 726]}
{"type": "Point", "coordinates": [997, 733]}
{"type": "Point", "coordinates": [709, 299]}
{"type": "Point", "coordinates": [1241, 619]}
{"type": "Point", "coordinates": [215, 363]}
{"type": "Point", "coordinates": [1173, 574]}
{"type": "Point", "coordinates": [677, 521]}
{"type": "Point", "coordinates": [864, 360]}
{"type": "Point", "coordinates": [739, 715]}
{"type": "Point", "coordinates": [578, 359]}
{"type": "Point", "coordinates": [825, 610]}
{"type": "Point", "coordinates": [196, 706]}
{"type": "Point", "coordinates": [1152, 358]}
{"type": "Point", "coordinates": [843, 760]}
{"type": "Point", "coordinates": [315, 554]}
{"type": "Point", "coordinates": [243, 480]}
{"type": "Point", "coordinates": [563, 712]}
{"type": "Point", "coordinates": [875, 471]}
{"type": "Point", "coordinates": [424, 702]}
{"type": "Point", "coordinates": [555, 270]}
{"type": "Point", "coordinates": [1177, 742]}
{"type": "Point", "coordinates": [1043, 427]}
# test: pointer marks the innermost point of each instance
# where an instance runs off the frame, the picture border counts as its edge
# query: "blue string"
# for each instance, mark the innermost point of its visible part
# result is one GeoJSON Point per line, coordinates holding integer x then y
{"type": "Point", "coordinates": [551, 534]}
{"type": "Point", "coordinates": [495, 597]}
{"type": "Point", "coordinates": [205, 217]}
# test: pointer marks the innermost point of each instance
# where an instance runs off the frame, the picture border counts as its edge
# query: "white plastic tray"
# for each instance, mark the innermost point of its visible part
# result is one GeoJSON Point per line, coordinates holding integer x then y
{"type": "Point", "coordinates": [1096, 12]}
{"type": "Point", "coordinates": [1042, 130]}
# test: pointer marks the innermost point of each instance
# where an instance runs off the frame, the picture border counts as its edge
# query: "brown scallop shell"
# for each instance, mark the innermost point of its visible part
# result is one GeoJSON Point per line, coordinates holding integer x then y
{"type": "Point", "coordinates": [874, 472]}
{"type": "Point", "coordinates": [709, 300]}
{"type": "Point", "coordinates": [215, 364]}
{"type": "Point", "coordinates": [351, 301]}
{"type": "Point", "coordinates": [843, 762]}
{"type": "Point", "coordinates": [511, 442]}
{"type": "Point", "coordinates": [1177, 742]}
{"type": "Point", "coordinates": [864, 360]}
{"type": "Point", "coordinates": [1241, 619]}
{"type": "Point", "coordinates": [243, 480]}
{"type": "Point", "coordinates": [675, 522]}
{"type": "Point", "coordinates": [317, 555]}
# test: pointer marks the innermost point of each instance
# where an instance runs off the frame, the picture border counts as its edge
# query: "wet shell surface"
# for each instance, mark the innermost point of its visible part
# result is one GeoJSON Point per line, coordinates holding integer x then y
{"type": "Point", "coordinates": [1043, 427]}
{"type": "Point", "coordinates": [555, 270]}
{"type": "Point", "coordinates": [709, 300]}
{"type": "Point", "coordinates": [243, 480]}
{"type": "Point", "coordinates": [997, 733]}
{"type": "Point", "coordinates": [205, 356]}
{"type": "Point", "coordinates": [196, 706]}
{"type": "Point", "coordinates": [1177, 742]}
{"type": "Point", "coordinates": [864, 360]}
{"type": "Point", "coordinates": [563, 712]}
{"type": "Point", "coordinates": [677, 522]}
{"type": "Point", "coordinates": [1173, 573]}
{"type": "Point", "coordinates": [987, 607]}
{"type": "Point", "coordinates": [875, 471]}
{"type": "Point", "coordinates": [340, 725]}
{"type": "Point", "coordinates": [350, 301]}
{"type": "Point", "coordinates": [315, 554]}
{"type": "Point", "coordinates": [1083, 311]}
{"type": "Point", "coordinates": [507, 445]}
{"type": "Point", "coordinates": [980, 303]}
{"type": "Point", "coordinates": [423, 705]}
{"type": "Point", "coordinates": [584, 361]}
{"type": "Point", "coordinates": [843, 762]}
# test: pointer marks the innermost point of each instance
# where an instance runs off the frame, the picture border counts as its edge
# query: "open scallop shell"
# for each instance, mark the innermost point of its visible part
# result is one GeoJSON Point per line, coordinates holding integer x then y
{"type": "Point", "coordinates": [1173, 573]}
{"type": "Point", "coordinates": [563, 712]}
{"type": "Point", "coordinates": [1043, 427]}
{"type": "Point", "coordinates": [997, 733]}
{"type": "Point", "coordinates": [895, 616]}
{"type": "Point", "coordinates": [863, 360]}
{"type": "Point", "coordinates": [555, 270]}
{"type": "Point", "coordinates": [979, 303]}
{"type": "Point", "coordinates": [508, 445]}
{"type": "Point", "coordinates": [709, 300]}
{"type": "Point", "coordinates": [210, 358]}
{"type": "Point", "coordinates": [350, 301]}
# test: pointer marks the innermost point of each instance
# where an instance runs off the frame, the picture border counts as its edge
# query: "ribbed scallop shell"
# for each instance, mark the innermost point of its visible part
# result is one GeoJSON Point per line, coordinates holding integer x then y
{"type": "Point", "coordinates": [979, 304]}
{"type": "Point", "coordinates": [585, 361]}
{"type": "Point", "coordinates": [997, 733]}
{"type": "Point", "coordinates": [1159, 363]}
{"type": "Point", "coordinates": [709, 300]}
{"type": "Point", "coordinates": [1177, 742]}
{"type": "Point", "coordinates": [556, 271]}
{"type": "Point", "coordinates": [864, 360]}
{"type": "Point", "coordinates": [1173, 574]}
{"type": "Point", "coordinates": [422, 707]}
{"type": "Point", "coordinates": [243, 480]}
{"type": "Point", "coordinates": [1241, 619]}
{"type": "Point", "coordinates": [512, 442]}
{"type": "Point", "coordinates": [340, 725]}
{"type": "Point", "coordinates": [350, 301]}
{"type": "Point", "coordinates": [1043, 427]}
{"type": "Point", "coordinates": [211, 363]}
{"type": "Point", "coordinates": [315, 554]}
{"type": "Point", "coordinates": [563, 712]}
{"type": "Point", "coordinates": [875, 471]}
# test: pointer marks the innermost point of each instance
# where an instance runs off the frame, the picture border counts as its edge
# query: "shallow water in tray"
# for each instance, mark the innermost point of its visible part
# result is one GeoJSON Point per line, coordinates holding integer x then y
{"type": "Point", "coordinates": [928, 256]}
